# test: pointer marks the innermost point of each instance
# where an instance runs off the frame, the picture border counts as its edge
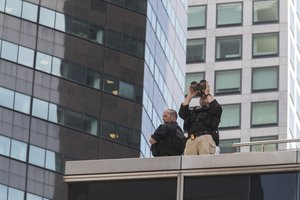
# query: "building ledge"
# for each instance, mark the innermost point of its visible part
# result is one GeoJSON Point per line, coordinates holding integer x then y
{"type": "Point", "coordinates": [252, 162]}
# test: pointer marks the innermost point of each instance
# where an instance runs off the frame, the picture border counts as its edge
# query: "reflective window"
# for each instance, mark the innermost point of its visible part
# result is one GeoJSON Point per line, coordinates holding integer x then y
{"type": "Point", "coordinates": [60, 22]}
{"type": "Point", "coordinates": [3, 192]}
{"type": "Point", "coordinates": [6, 98]}
{"type": "Point", "coordinates": [109, 130]}
{"type": "Point", "coordinates": [22, 103]}
{"type": "Point", "coordinates": [40, 108]}
{"type": "Point", "coordinates": [226, 145]}
{"type": "Point", "coordinates": [73, 119]}
{"type": "Point", "coordinates": [113, 39]}
{"type": "Point", "coordinates": [229, 48]}
{"type": "Point", "coordinates": [196, 17]}
{"type": "Point", "coordinates": [33, 197]}
{"type": "Point", "coordinates": [231, 116]}
{"type": "Point", "coordinates": [111, 85]}
{"type": "Point", "coordinates": [126, 90]}
{"type": "Point", "coordinates": [264, 79]}
{"type": "Point", "coordinates": [265, 44]}
{"type": "Point", "coordinates": [56, 114]}
{"type": "Point", "coordinates": [50, 160]}
{"type": "Point", "coordinates": [228, 82]}
{"type": "Point", "coordinates": [29, 11]}
{"type": "Point", "coordinates": [72, 71]}
{"type": "Point", "coordinates": [37, 156]}
{"type": "Point", "coordinates": [79, 28]}
{"type": "Point", "coordinates": [43, 62]}
{"type": "Point", "coordinates": [2, 6]}
{"type": "Point", "coordinates": [95, 34]}
{"type": "Point", "coordinates": [264, 113]}
{"type": "Point", "coordinates": [190, 77]}
{"type": "Point", "coordinates": [47, 17]}
{"type": "Point", "coordinates": [9, 51]}
{"type": "Point", "coordinates": [14, 194]}
{"type": "Point", "coordinates": [4, 148]}
{"type": "Point", "coordinates": [56, 64]}
{"type": "Point", "coordinates": [26, 56]}
{"type": "Point", "coordinates": [265, 11]}
{"type": "Point", "coordinates": [137, 5]}
{"type": "Point", "coordinates": [90, 125]}
{"type": "Point", "coordinates": [267, 147]}
{"type": "Point", "coordinates": [13, 7]}
{"type": "Point", "coordinates": [93, 79]}
{"type": "Point", "coordinates": [229, 14]}
{"type": "Point", "coordinates": [18, 150]}
{"type": "Point", "coordinates": [195, 51]}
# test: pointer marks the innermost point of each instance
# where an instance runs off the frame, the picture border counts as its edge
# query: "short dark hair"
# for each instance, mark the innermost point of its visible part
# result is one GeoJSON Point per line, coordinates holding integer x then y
{"type": "Point", "coordinates": [172, 112]}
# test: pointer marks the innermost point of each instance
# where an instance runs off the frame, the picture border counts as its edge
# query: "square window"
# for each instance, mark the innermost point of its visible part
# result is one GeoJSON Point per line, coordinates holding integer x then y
{"type": "Point", "coordinates": [6, 98]}
{"type": "Point", "coordinates": [43, 62]}
{"type": "Point", "coordinates": [190, 77]}
{"type": "Point", "coordinates": [195, 51]}
{"type": "Point", "coordinates": [265, 11]}
{"type": "Point", "coordinates": [229, 14]}
{"type": "Point", "coordinates": [4, 146]}
{"type": "Point", "coordinates": [22, 103]}
{"type": "Point", "coordinates": [14, 7]}
{"type": "Point", "coordinates": [25, 56]}
{"type": "Point", "coordinates": [9, 51]}
{"type": "Point", "coordinates": [264, 113]}
{"type": "Point", "coordinates": [228, 82]}
{"type": "Point", "coordinates": [196, 17]}
{"type": "Point", "coordinates": [267, 147]}
{"type": "Point", "coordinates": [111, 85]}
{"type": "Point", "coordinates": [15, 194]}
{"type": "Point", "coordinates": [265, 79]}
{"type": "Point", "coordinates": [228, 48]}
{"type": "Point", "coordinates": [40, 108]}
{"type": "Point", "coordinates": [231, 116]}
{"type": "Point", "coordinates": [47, 17]}
{"type": "Point", "coordinates": [37, 156]}
{"type": "Point", "coordinates": [126, 90]}
{"type": "Point", "coordinates": [265, 45]}
{"type": "Point", "coordinates": [29, 11]}
{"type": "Point", "coordinates": [18, 150]}
{"type": "Point", "coordinates": [226, 145]}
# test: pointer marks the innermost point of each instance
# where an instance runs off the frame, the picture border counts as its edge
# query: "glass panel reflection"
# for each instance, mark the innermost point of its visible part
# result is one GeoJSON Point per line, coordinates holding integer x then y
{"type": "Point", "coordinates": [4, 147]}
{"type": "Point", "coordinates": [47, 17]}
{"type": "Point", "coordinates": [43, 62]}
{"type": "Point", "coordinates": [22, 103]}
{"type": "Point", "coordinates": [3, 192]}
{"type": "Point", "coordinates": [13, 7]}
{"type": "Point", "coordinates": [26, 56]}
{"type": "Point", "coordinates": [18, 150]}
{"type": "Point", "coordinates": [14, 194]}
{"type": "Point", "coordinates": [37, 156]}
{"type": "Point", "coordinates": [9, 51]}
{"type": "Point", "coordinates": [6, 98]}
{"type": "Point", "coordinates": [29, 11]}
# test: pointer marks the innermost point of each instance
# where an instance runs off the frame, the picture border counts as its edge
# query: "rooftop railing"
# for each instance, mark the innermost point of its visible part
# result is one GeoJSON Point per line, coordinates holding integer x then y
{"type": "Point", "coordinates": [235, 146]}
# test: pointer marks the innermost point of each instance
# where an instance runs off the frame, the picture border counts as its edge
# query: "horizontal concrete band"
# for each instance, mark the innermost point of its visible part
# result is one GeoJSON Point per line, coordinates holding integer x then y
{"type": "Point", "coordinates": [237, 163]}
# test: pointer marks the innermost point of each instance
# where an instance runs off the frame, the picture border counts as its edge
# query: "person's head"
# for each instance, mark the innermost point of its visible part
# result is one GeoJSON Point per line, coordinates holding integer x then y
{"type": "Point", "coordinates": [203, 101]}
{"type": "Point", "coordinates": [169, 115]}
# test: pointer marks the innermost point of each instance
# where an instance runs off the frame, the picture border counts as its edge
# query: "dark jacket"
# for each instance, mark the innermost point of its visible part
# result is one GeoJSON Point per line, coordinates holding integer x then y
{"type": "Point", "coordinates": [202, 120]}
{"type": "Point", "coordinates": [164, 140]}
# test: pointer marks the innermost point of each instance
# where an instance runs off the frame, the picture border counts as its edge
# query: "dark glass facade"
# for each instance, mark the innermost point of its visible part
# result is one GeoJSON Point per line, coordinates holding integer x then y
{"type": "Point", "coordinates": [261, 186]}
{"type": "Point", "coordinates": [73, 82]}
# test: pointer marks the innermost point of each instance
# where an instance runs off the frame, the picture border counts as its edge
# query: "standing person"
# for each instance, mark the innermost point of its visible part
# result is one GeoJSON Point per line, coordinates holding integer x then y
{"type": "Point", "coordinates": [201, 123]}
{"type": "Point", "coordinates": [168, 139]}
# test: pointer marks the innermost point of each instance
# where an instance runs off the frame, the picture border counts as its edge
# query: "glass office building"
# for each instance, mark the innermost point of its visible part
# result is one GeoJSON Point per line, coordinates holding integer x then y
{"type": "Point", "coordinates": [249, 53]}
{"type": "Point", "coordinates": [83, 80]}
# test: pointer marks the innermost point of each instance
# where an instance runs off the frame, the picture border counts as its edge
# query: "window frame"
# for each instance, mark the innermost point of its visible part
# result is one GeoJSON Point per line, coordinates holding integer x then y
{"type": "Point", "coordinates": [240, 113]}
{"type": "Point", "coordinates": [231, 92]}
{"type": "Point", "coordinates": [264, 90]}
{"type": "Point", "coordinates": [240, 37]}
{"type": "Point", "coordinates": [266, 124]}
{"type": "Point", "coordinates": [205, 18]}
{"type": "Point", "coordinates": [233, 24]}
{"type": "Point", "coordinates": [266, 55]}
{"type": "Point", "coordinates": [204, 51]}
{"type": "Point", "coordinates": [265, 22]}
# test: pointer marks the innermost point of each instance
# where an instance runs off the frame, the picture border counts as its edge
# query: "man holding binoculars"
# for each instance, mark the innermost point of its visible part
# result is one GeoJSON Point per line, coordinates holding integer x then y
{"type": "Point", "coordinates": [201, 122]}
